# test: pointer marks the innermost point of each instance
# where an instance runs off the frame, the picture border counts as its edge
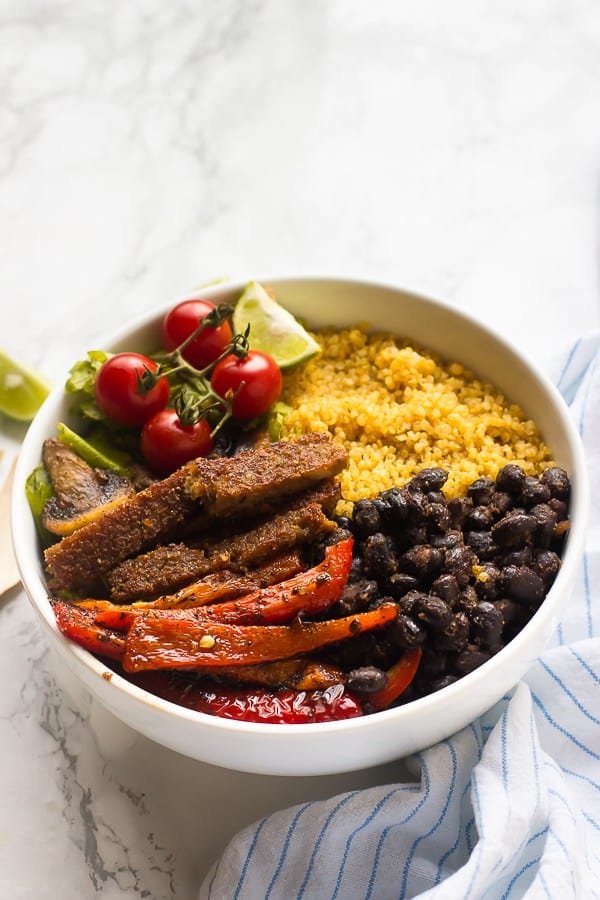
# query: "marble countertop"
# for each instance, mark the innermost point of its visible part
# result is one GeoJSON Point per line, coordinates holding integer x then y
{"type": "Point", "coordinates": [148, 147]}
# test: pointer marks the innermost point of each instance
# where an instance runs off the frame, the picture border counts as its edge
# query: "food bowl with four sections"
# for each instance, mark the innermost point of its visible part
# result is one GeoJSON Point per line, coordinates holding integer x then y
{"type": "Point", "coordinates": [338, 746]}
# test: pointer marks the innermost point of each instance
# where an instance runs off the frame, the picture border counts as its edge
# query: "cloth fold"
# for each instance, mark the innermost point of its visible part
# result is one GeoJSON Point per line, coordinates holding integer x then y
{"type": "Point", "coordinates": [507, 808]}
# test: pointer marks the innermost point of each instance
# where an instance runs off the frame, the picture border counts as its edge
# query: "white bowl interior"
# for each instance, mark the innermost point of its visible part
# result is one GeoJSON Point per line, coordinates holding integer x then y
{"type": "Point", "coordinates": [370, 740]}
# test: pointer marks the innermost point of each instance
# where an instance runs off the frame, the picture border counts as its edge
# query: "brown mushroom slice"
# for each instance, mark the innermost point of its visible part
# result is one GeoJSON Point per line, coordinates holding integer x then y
{"type": "Point", "coordinates": [81, 493]}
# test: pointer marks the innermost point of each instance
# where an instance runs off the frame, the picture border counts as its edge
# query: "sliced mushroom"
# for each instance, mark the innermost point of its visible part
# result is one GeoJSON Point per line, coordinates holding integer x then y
{"type": "Point", "coordinates": [82, 493]}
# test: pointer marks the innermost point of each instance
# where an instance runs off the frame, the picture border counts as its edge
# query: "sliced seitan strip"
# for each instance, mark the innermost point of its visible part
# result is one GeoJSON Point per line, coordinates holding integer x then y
{"type": "Point", "coordinates": [222, 486]}
{"type": "Point", "coordinates": [82, 558]}
{"type": "Point", "coordinates": [168, 568]}
{"type": "Point", "coordinates": [272, 472]}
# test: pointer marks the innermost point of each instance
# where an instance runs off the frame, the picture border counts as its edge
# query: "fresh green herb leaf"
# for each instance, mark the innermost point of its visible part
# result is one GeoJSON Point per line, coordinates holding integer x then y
{"type": "Point", "coordinates": [82, 375]}
{"type": "Point", "coordinates": [277, 416]}
{"type": "Point", "coordinates": [81, 381]}
{"type": "Point", "coordinates": [38, 490]}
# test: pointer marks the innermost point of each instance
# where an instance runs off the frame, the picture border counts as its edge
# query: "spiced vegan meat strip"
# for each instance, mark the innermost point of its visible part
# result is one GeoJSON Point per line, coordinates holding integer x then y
{"type": "Point", "coordinates": [221, 486]}
{"type": "Point", "coordinates": [167, 568]}
{"type": "Point", "coordinates": [273, 472]}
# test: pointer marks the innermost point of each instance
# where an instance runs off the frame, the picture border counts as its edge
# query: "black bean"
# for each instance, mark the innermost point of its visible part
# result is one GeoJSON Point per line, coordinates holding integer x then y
{"type": "Point", "coordinates": [482, 543]}
{"type": "Point", "coordinates": [356, 570]}
{"type": "Point", "coordinates": [520, 557]}
{"type": "Point", "coordinates": [510, 478]}
{"type": "Point", "coordinates": [559, 507]}
{"type": "Point", "coordinates": [480, 519]}
{"type": "Point", "coordinates": [546, 522]}
{"type": "Point", "coordinates": [558, 482]}
{"type": "Point", "coordinates": [514, 529]}
{"type": "Point", "coordinates": [459, 561]}
{"type": "Point", "coordinates": [436, 684]}
{"type": "Point", "coordinates": [469, 659]}
{"type": "Point", "coordinates": [500, 504]}
{"type": "Point", "coordinates": [446, 587]}
{"type": "Point", "coordinates": [393, 506]}
{"type": "Point", "coordinates": [459, 508]}
{"type": "Point", "coordinates": [481, 490]}
{"type": "Point", "coordinates": [446, 541]}
{"type": "Point", "coordinates": [534, 491]}
{"type": "Point", "coordinates": [487, 584]}
{"type": "Point", "coordinates": [436, 497]}
{"type": "Point", "coordinates": [431, 479]}
{"type": "Point", "coordinates": [418, 504]}
{"type": "Point", "coordinates": [365, 517]}
{"type": "Point", "coordinates": [366, 679]}
{"type": "Point", "coordinates": [467, 599]}
{"type": "Point", "coordinates": [546, 564]}
{"type": "Point", "coordinates": [334, 537]}
{"type": "Point", "coordinates": [422, 561]}
{"type": "Point", "coordinates": [433, 612]}
{"type": "Point", "coordinates": [510, 611]}
{"type": "Point", "coordinates": [416, 534]}
{"type": "Point", "coordinates": [433, 663]}
{"type": "Point", "coordinates": [438, 517]}
{"type": "Point", "coordinates": [379, 556]}
{"type": "Point", "coordinates": [486, 624]}
{"type": "Point", "coordinates": [523, 584]}
{"type": "Point", "coordinates": [344, 522]}
{"type": "Point", "coordinates": [404, 632]}
{"type": "Point", "coordinates": [407, 603]}
{"type": "Point", "coordinates": [355, 596]}
{"type": "Point", "coordinates": [400, 584]}
{"type": "Point", "coordinates": [455, 636]}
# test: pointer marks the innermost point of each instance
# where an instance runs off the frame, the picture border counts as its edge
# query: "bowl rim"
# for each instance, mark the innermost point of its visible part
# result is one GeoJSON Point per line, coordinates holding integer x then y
{"type": "Point", "coordinates": [28, 557]}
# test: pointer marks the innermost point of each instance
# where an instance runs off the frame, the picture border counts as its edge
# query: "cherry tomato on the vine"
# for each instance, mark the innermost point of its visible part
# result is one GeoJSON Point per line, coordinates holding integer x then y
{"type": "Point", "coordinates": [167, 444]}
{"type": "Point", "coordinates": [255, 380]}
{"type": "Point", "coordinates": [182, 320]}
{"type": "Point", "coordinates": [118, 392]}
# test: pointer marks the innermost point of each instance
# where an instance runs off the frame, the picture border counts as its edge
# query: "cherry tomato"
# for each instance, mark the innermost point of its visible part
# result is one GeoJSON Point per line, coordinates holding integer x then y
{"type": "Point", "coordinates": [182, 320]}
{"type": "Point", "coordinates": [167, 444]}
{"type": "Point", "coordinates": [118, 394]}
{"type": "Point", "coordinates": [257, 377]}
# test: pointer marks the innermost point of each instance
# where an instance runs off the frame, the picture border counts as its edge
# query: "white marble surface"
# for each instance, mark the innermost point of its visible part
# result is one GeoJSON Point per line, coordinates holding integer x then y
{"type": "Point", "coordinates": [146, 147]}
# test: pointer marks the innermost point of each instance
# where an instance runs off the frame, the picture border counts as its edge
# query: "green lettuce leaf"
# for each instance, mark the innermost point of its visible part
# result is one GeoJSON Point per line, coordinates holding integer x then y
{"type": "Point", "coordinates": [38, 490]}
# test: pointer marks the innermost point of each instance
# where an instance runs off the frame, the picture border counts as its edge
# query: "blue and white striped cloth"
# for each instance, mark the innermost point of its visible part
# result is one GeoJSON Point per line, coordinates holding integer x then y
{"type": "Point", "coordinates": [507, 808]}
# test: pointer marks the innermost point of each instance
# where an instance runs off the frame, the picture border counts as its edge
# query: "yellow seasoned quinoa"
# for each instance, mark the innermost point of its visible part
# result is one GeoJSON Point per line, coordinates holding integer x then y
{"type": "Point", "coordinates": [398, 409]}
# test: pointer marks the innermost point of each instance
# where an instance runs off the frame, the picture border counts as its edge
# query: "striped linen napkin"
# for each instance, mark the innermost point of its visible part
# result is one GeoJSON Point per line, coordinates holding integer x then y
{"type": "Point", "coordinates": [507, 808]}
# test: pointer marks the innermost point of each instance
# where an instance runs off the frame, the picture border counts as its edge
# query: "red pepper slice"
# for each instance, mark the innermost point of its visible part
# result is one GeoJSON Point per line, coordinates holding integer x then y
{"type": "Point", "coordinates": [78, 625]}
{"type": "Point", "coordinates": [170, 642]}
{"type": "Point", "coordinates": [310, 592]}
{"type": "Point", "coordinates": [284, 707]}
{"type": "Point", "coordinates": [398, 679]}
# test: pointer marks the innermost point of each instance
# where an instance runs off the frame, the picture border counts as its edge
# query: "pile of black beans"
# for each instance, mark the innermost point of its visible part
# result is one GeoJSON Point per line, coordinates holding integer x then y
{"type": "Point", "coordinates": [467, 573]}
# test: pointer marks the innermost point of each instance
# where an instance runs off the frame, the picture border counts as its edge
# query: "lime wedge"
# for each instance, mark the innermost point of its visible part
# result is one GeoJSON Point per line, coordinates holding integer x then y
{"type": "Point", "coordinates": [273, 329]}
{"type": "Point", "coordinates": [22, 391]}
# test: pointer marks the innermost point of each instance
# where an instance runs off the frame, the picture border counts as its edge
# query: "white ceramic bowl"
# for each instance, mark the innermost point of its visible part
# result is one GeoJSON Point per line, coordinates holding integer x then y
{"type": "Point", "coordinates": [357, 743]}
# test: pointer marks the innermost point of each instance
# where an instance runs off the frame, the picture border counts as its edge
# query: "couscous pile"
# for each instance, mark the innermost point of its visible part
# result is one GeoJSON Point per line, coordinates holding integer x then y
{"type": "Point", "coordinates": [398, 409]}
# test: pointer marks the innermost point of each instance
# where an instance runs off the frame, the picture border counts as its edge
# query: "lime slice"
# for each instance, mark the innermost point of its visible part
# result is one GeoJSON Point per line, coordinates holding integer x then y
{"type": "Point", "coordinates": [273, 329]}
{"type": "Point", "coordinates": [22, 391]}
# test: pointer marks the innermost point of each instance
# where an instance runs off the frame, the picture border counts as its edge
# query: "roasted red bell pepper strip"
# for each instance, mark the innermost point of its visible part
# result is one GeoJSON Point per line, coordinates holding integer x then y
{"type": "Point", "coordinates": [398, 679]}
{"type": "Point", "coordinates": [78, 624]}
{"type": "Point", "coordinates": [311, 592]}
{"type": "Point", "coordinates": [283, 707]}
{"type": "Point", "coordinates": [170, 641]}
